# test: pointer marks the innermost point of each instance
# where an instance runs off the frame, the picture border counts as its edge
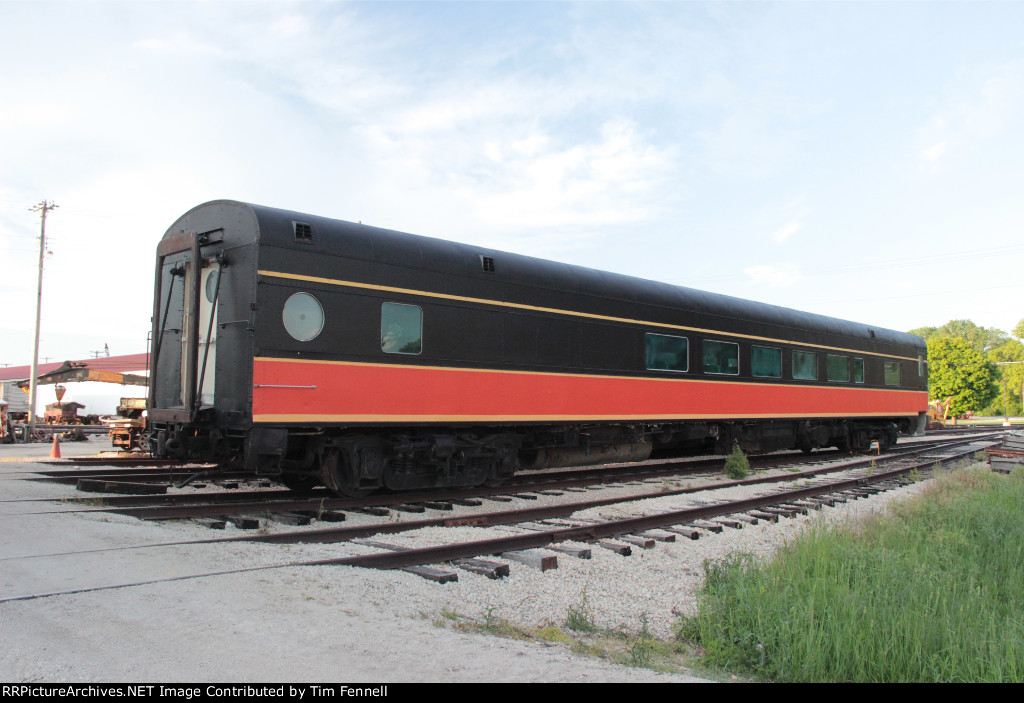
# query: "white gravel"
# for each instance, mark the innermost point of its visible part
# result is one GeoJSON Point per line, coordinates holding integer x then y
{"type": "Point", "coordinates": [321, 623]}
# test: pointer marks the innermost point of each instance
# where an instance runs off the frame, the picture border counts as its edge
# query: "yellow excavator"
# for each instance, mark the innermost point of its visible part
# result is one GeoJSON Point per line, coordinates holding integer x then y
{"type": "Point", "coordinates": [127, 429]}
{"type": "Point", "coordinates": [938, 413]}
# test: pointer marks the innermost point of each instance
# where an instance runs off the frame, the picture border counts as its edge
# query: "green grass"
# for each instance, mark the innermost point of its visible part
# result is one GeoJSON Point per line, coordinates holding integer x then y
{"type": "Point", "coordinates": [581, 636]}
{"type": "Point", "coordinates": [931, 592]}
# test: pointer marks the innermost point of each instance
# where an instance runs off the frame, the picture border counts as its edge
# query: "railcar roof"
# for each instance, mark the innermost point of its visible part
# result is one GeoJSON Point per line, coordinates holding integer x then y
{"type": "Point", "coordinates": [354, 240]}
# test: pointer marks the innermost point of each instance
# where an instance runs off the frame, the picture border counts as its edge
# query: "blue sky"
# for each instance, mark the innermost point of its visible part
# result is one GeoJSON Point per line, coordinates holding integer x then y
{"type": "Point", "coordinates": [861, 160]}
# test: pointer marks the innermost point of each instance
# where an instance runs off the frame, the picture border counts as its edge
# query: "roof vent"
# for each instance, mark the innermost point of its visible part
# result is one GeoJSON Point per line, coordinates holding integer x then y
{"type": "Point", "coordinates": [303, 232]}
{"type": "Point", "coordinates": [487, 263]}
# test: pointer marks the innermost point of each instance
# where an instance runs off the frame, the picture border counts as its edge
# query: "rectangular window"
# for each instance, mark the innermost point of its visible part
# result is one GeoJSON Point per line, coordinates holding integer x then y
{"type": "Point", "coordinates": [892, 373]}
{"type": "Point", "coordinates": [665, 353]}
{"type": "Point", "coordinates": [837, 368]}
{"type": "Point", "coordinates": [805, 365]}
{"type": "Point", "coordinates": [766, 362]}
{"type": "Point", "coordinates": [401, 328]}
{"type": "Point", "coordinates": [721, 357]}
{"type": "Point", "coordinates": [858, 370]}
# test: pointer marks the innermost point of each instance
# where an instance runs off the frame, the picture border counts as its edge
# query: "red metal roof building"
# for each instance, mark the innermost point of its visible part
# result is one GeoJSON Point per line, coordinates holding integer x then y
{"type": "Point", "coordinates": [126, 363]}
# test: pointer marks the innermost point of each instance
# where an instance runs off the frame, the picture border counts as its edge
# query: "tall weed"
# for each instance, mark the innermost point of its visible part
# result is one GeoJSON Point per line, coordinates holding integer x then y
{"type": "Point", "coordinates": [930, 592]}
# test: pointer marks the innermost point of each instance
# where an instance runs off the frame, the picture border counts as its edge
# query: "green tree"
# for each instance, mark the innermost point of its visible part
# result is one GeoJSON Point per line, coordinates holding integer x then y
{"type": "Point", "coordinates": [1018, 331]}
{"type": "Point", "coordinates": [925, 333]}
{"type": "Point", "coordinates": [1009, 380]}
{"type": "Point", "coordinates": [981, 339]}
{"type": "Point", "coordinates": [956, 370]}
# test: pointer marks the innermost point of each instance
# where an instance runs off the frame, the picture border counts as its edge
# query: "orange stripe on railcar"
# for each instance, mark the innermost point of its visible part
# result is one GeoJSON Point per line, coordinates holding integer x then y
{"type": "Point", "coordinates": [289, 390]}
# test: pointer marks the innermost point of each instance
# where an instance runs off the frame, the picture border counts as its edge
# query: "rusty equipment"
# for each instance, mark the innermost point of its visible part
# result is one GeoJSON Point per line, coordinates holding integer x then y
{"type": "Point", "coordinates": [938, 413]}
{"type": "Point", "coordinates": [73, 371]}
{"type": "Point", "coordinates": [128, 427]}
{"type": "Point", "coordinates": [125, 431]}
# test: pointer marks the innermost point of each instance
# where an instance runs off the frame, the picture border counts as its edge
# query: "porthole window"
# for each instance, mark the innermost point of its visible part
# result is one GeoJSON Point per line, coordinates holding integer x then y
{"type": "Point", "coordinates": [303, 316]}
{"type": "Point", "coordinates": [211, 284]}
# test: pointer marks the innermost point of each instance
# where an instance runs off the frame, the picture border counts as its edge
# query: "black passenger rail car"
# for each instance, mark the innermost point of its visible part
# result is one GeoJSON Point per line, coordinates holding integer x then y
{"type": "Point", "coordinates": [329, 352]}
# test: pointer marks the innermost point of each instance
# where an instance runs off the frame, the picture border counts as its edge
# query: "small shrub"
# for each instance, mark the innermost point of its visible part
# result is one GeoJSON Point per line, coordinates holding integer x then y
{"type": "Point", "coordinates": [736, 464]}
{"type": "Point", "coordinates": [580, 618]}
{"type": "Point", "coordinates": [552, 633]}
{"type": "Point", "coordinates": [491, 621]}
{"type": "Point", "coordinates": [640, 653]}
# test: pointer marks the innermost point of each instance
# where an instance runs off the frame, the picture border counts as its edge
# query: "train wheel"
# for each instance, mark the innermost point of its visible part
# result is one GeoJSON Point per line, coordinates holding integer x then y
{"type": "Point", "coordinates": [494, 481]}
{"type": "Point", "coordinates": [335, 475]}
{"type": "Point", "coordinates": [299, 483]}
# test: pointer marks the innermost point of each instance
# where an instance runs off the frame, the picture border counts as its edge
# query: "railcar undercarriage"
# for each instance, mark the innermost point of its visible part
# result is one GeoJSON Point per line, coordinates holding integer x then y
{"type": "Point", "coordinates": [359, 461]}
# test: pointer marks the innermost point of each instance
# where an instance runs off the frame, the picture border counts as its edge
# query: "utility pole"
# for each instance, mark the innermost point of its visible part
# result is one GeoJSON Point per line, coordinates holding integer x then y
{"type": "Point", "coordinates": [42, 208]}
{"type": "Point", "coordinates": [1006, 417]}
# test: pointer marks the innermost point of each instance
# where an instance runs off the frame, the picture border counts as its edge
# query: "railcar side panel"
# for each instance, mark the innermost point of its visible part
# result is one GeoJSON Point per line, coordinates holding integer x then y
{"type": "Point", "coordinates": [315, 392]}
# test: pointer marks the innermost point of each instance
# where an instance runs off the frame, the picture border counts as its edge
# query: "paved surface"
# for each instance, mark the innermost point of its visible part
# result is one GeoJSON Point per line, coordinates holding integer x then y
{"type": "Point", "coordinates": [320, 624]}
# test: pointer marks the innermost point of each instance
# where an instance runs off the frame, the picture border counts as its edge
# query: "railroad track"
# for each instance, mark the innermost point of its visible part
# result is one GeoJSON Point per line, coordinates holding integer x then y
{"type": "Point", "coordinates": [177, 473]}
{"type": "Point", "coordinates": [550, 526]}
{"type": "Point", "coordinates": [252, 509]}
{"type": "Point", "coordinates": [547, 526]}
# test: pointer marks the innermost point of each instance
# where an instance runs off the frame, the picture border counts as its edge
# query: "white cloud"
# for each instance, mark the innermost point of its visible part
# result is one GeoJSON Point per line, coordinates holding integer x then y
{"type": "Point", "coordinates": [291, 26]}
{"type": "Point", "coordinates": [791, 228]}
{"type": "Point", "coordinates": [179, 43]}
{"type": "Point", "coordinates": [986, 104]}
{"type": "Point", "coordinates": [637, 136]}
{"type": "Point", "coordinates": [930, 157]}
{"type": "Point", "coordinates": [773, 275]}
{"type": "Point", "coordinates": [35, 115]}
{"type": "Point", "coordinates": [537, 183]}
{"type": "Point", "coordinates": [794, 212]}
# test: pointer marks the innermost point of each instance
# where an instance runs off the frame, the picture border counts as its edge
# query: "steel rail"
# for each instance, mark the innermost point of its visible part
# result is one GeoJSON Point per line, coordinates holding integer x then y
{"type": "Point", "coordinates": [612, 528]}
{"type": "Point", "coordinates": [507, 517]}
{"type": "Point", "coordinates": [536, 539]}
{"type": "Point", "coordinates": [167, 507]}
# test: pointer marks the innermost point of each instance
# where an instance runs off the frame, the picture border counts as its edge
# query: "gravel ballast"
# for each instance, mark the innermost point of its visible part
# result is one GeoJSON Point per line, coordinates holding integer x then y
{"type": "Point", "coordinates": [323, 623]}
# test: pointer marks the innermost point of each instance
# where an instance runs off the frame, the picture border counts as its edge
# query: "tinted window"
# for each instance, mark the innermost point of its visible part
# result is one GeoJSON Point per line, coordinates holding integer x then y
{"type": "Point", "coordinates": [401, 328]}
{"type": "Point", "coordinates": [805, 365]}
{"type": "Point", "coordinates": [664, 353]}
{"type": "Point", "coordinates": [858, 371]}
{"type": "Point", "coordinates": [721, 357]}
{"type": "Point", "coordinates": [892, 373]}
{"type": "Point", "coordinates": [838, 367]}
{"type": "Point", "coordinates": [766, 361]}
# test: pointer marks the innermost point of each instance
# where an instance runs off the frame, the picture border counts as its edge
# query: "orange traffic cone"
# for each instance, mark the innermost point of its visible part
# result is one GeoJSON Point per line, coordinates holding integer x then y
{"type": "Point", "coordinates": [55, 450]}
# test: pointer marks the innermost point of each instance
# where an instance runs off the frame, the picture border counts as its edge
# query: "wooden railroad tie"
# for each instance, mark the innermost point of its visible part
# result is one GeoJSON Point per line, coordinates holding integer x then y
{"type": "Point", "coordinates": [537, 560]}
{"type": "Point", "coordinates": [96, 485]}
